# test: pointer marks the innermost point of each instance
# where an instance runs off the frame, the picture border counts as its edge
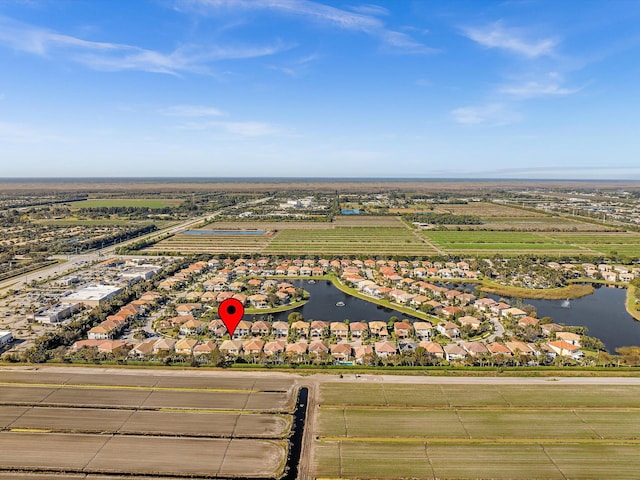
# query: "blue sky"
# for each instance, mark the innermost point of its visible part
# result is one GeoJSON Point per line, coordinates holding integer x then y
{"type": "Point", "coordinates": [215, 88]}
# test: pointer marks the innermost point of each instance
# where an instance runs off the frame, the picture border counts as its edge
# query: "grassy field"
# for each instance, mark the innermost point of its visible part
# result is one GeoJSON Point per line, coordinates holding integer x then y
{"type": "Point", "coordinates": [499, 242]}
{"type": "Point", "coordinates": [570, 291]}
{"type": "Point", "coordinates": [128, 202]}
{"type": "Point", "coordinates": [631, 302]}
{"type": "Point", "coordinates": [211, 244]}
{"type": "Point", "coordinates": [399, 395]}
{"type": "Point", "coordinates": [605, 242]}
{"type": "Point", "coordinates": [350, 240]}
{"type": "Point", "coordinates": [590, 243]}
{"type": "Point", "coordinates": [385, 430]}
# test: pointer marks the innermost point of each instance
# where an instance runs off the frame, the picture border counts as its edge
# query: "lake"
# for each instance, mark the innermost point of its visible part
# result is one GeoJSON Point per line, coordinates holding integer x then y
{"type": "Point", "coordinates": [322, 305]}
{"type": "Point", "coordinates": [602, 312]}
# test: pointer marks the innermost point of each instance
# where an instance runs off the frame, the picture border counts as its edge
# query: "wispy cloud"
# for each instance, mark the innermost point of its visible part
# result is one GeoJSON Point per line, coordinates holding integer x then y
{"type": "Point", "coordinates": [191, 111]}
{"type": "Point", "coordinates": [297, 67]}
{"type": "Point", "coordinates": [360, 20]}
{"type": "Point", "coordinates": [370, 9]}
{"type": "Point", "coordinates": [236, 128]}
{"type": "Point", "coordinates": [550, 85]}
{"type": "Point", "coordinates": [306, 8]}
{"type": "Point", "coordinates": [403, 43]}
{"type": "Point", "coordinates": [116, 57]}
{"type": "Point", "coordinates": [19, 133]}
{"type": "Point", "coordinates": [496, 35]}
{"type": "Point", "coordinates": [27, 38]}
{"type": "Point", "coordinates": [492, 114]}
{"type": "Point", "coordinates": [510, 97]}
{"type": "Point", "coordinates": [250, 129]}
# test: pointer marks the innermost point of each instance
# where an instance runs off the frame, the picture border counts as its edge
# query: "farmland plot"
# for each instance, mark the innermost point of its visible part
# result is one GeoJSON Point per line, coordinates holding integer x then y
{"type": "Point", "coordinates": [386, 430]}
{"type": "Point", "coordinates": [499, 242]}
{"type": "Point", "coordinates": [140, 424]}
{"type": "Point", "coordinates": [605, 242]}
{"type": "Point", "coordinates": [350, 241]}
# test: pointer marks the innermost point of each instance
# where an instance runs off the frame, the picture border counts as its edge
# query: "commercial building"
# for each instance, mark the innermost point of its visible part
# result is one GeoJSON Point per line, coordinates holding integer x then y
{"type": "Point", "coordinates": [92, 296]}
{"type": "Point", "coordinates": [142, 272]}
{"type": "Point", "coordinates": [56, 313]}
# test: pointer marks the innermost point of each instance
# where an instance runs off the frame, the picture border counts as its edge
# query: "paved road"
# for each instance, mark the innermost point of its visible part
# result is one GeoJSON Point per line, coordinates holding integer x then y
{"type": "Point", "coordinates": [73, 262]}
{"type": "Point", "coordinates": [319, 378]}
{"type": "Point", "coordinates": [499, 330]}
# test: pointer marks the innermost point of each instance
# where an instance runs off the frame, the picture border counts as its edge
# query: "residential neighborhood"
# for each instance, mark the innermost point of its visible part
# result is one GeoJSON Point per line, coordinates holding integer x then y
{"type": "Point", "coordinates": [435, 323]}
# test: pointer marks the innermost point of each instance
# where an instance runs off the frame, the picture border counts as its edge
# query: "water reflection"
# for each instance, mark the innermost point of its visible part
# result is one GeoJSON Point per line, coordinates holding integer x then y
{"type": "Point", "coordinates": [322, 306]}
{"type": "Point", "coordinates": [603, 312]}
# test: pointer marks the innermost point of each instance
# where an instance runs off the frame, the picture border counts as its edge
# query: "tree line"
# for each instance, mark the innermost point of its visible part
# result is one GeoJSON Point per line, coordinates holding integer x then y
{"type": "Point", "coordinates": [442, 218]}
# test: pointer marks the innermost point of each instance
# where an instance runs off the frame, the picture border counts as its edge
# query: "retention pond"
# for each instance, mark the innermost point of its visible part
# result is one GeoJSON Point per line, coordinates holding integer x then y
{"type": "Point", "coordinates": [603, 312]}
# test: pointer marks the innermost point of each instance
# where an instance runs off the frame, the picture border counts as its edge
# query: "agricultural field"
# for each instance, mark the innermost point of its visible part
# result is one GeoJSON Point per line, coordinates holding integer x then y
{"type": "Point", "coordinates": [370, 235]}
{"type": "Point", "coordinates": [127, 202]}
{"type": "Point", "coordinates": [503, 217]}
{"type": "Point", "coordinates": [367, 221]}
{"type": "Point", "coordinates": [350, 241]}
{"type": "Point", "coordinates": [498, 431]}
{"type": "Point", "coordinates": [535, 242]}
{"type": "Point", "coordinates": [268, 226]}
{"type": "Point", "coordinates": [485, 210]}
{"type": "Point", "coordinates": [538, 224]}
{"type": "Point", "coordinates": [347, 236]}
{"type": "Point", "coordinates": [91, 422]}
{"type": "Point", "coordinates": [211, 243]}
{"type": "Point", "coordinates": [604, 242]}
{"type": "Point", "coordinates": [500, 242]}
{"type": "Point", "coordinates": [230, 242]}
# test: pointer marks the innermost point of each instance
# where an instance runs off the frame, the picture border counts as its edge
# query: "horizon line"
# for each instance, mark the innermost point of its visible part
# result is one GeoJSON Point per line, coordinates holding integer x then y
{"type": "Point", "coordinates": [313, 179]}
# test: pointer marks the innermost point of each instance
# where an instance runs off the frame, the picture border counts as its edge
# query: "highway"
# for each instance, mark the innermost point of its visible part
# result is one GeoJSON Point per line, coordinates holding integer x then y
{"type": "Point", "coordinates": [73, 262]}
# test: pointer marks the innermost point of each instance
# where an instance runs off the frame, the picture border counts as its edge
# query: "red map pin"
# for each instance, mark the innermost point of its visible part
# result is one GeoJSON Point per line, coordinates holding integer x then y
{"type": "Point", "coordinates": [230, 312]}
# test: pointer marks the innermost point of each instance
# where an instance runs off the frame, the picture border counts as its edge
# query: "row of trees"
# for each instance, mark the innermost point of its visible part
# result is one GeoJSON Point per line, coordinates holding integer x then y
{"type": "Point", "coordinates": [442, 218]}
